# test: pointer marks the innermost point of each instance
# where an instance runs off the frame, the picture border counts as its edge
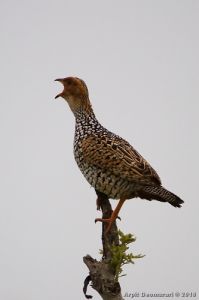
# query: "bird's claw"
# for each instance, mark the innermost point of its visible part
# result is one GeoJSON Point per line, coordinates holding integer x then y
{"type": "Point", "coordinates": [109, 221]}
{"type": "Point", "coordinates": [105, 220]}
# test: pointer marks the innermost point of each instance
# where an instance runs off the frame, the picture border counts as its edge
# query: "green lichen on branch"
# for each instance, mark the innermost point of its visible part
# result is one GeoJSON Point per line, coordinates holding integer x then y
{"type": "Point", "coordinates": [119, 256]}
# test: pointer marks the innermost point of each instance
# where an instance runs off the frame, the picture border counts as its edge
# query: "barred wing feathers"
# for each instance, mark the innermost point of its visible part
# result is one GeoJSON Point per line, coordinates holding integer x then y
{"type": "Point", "coordinates": [112, 153]}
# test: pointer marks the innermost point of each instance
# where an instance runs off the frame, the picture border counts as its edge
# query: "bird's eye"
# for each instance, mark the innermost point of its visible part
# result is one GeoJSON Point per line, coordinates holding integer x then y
{"type": "Point", "coordinates": [69, 82]}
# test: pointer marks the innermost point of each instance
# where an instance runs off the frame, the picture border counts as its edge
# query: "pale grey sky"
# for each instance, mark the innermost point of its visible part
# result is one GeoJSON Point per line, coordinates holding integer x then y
{"type": "Point", "coordinates": [140, 62]}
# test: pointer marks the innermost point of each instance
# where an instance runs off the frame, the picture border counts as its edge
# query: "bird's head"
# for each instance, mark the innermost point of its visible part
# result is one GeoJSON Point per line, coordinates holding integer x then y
{"type": "Point", "coordinates": [75, 92]}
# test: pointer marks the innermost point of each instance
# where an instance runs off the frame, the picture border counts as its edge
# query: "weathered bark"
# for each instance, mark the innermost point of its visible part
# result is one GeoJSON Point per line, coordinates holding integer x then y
{"type": "Point", "coordinates": [101, 274]}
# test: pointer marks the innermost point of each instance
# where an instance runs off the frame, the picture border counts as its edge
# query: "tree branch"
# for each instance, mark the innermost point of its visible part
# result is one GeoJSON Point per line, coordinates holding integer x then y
{"type": "Point", "coordinates": [101, 274]}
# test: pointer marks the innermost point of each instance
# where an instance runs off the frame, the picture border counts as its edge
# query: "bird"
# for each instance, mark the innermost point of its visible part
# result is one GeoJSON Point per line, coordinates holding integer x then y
{"type": "Point", "coordinates": [109, 163]}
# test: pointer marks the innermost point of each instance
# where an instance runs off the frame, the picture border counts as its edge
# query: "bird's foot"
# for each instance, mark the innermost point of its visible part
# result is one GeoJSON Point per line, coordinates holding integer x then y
{"type": "Point", "coordinates": [109, 221]}
{"type": "Point", "coordinates": [113, 217]}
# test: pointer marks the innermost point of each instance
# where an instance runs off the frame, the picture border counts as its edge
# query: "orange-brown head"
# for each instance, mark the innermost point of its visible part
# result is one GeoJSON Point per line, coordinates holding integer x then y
{"type": "Point", "coordinates": [75, 92]}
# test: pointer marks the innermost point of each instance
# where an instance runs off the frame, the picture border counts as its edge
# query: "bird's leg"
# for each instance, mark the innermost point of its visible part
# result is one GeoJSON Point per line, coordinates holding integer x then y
{"type": "Point", "coordinates": [114, 215]}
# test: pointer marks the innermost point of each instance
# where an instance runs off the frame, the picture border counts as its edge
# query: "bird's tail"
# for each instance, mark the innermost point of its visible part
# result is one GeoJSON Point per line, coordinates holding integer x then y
{"type": "Point", "coordinates": [161, 194]}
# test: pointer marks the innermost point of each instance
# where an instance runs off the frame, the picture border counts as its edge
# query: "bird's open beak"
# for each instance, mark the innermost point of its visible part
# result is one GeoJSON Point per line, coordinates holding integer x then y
{"type": "Point", "coordinates": [61, 94]}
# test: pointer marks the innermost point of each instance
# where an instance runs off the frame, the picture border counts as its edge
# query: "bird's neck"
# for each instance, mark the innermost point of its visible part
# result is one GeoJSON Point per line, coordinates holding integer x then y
{"type": "Point", "coordinates": [86, 124]}
{"type": "Point", "coordinates": [84, 112]}
{"type": "Point", "coordinates": [85, 117]}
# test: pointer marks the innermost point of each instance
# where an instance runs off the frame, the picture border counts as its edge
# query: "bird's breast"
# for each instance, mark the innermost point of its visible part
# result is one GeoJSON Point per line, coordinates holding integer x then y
{"type": "Point", "coordinates": [104, 181]}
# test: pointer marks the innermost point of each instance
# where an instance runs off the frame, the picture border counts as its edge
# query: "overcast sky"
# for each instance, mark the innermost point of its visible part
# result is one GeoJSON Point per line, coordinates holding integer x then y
{"type": "Point", "coordinates": [140, 62]}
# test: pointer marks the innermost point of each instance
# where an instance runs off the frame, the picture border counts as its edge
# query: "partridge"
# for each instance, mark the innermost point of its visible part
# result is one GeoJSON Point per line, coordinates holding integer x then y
{"type": "Point", "coordinates": [108, 162]}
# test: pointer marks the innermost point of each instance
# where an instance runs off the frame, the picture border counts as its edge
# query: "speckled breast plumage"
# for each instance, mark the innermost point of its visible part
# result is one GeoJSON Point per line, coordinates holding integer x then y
{"type": "Point", "coordinates": [102, 179]}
